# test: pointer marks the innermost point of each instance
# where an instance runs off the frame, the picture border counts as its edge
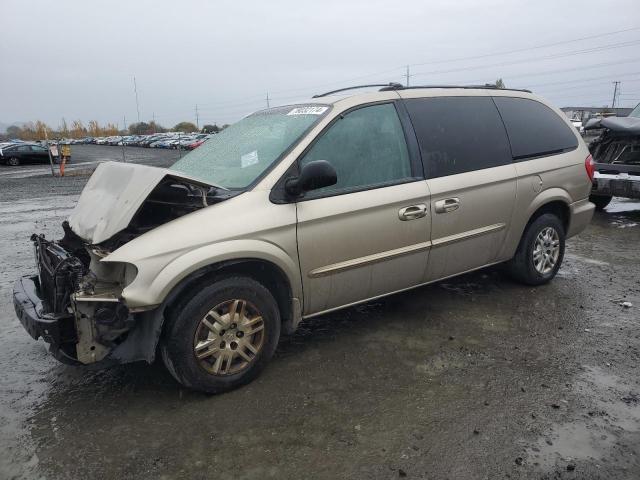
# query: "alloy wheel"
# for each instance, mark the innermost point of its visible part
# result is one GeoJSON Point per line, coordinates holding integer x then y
{"type": "Point", "coordinates": [546, 250]}
{"type": "Point", "coordinates": [229, 337]}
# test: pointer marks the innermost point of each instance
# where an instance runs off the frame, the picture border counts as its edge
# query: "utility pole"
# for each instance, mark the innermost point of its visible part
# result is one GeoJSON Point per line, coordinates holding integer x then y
{"type": "Point", "coordinates": [197, 118]}
{"type": "Point", "coordinates": [615, 93]}
{"type": "Point", "coordinates": [124, 120]}
{"type": "Point", "coordinates": [153, 115]}
{"type": "Point", "coordinates": [268, 100]}
{"type": "Point", "coordinates": [407, 75]}
{"type": "Point", "coordinates": [135, 90]}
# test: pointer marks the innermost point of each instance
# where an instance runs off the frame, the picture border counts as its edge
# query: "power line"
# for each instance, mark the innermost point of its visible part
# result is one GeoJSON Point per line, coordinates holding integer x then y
{"type": "Point", "coordinates": [529, 60]}
{"type": "Point", "coordinates": [535, 47]}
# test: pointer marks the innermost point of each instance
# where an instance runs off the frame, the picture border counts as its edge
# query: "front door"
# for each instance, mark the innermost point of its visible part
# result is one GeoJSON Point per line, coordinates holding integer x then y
{"type": "Point", "coordinates": [471, 178]}
{"type": "Point", "coordinates": [368, 235]}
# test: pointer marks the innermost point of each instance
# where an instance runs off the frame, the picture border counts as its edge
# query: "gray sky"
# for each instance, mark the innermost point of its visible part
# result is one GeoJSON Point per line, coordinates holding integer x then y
{"type": "Point", "coordinates": [76, 59]}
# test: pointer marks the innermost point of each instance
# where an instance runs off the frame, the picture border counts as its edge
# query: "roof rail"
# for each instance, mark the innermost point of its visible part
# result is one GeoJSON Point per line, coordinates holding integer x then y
{"type": "Point", "coordinates": [486, 86]}
{"type": "Point", "coordinates": [398, 86]}
{"type": "Point", "coordinates": [385, 86]}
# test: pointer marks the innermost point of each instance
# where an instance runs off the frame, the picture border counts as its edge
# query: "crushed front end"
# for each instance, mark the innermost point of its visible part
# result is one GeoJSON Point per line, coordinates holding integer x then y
{"type": "Point", "coordinates": [77, 301]}
{"type": "Point", "coordinates": [83, 318]}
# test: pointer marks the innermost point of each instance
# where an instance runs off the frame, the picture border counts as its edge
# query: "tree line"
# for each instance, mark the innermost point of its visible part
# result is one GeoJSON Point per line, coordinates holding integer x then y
{"type": "Point", "coordinates": [39, 130]}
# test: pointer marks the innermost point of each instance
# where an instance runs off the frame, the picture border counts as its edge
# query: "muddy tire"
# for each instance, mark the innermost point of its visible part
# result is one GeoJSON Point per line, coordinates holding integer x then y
{"type": "Point", "coordinates": [13, 161]}
{"type": "Point", "coordinates": [223, 337]}
{"type": "Point", "coordinates": [600, 201]}
{"type": "Point", "coordinates": [540, 251]}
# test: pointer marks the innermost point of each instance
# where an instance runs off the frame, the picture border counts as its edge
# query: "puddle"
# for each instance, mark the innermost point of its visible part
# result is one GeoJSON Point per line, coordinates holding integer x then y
{"type": "Point", "coordinates": [612, 413]}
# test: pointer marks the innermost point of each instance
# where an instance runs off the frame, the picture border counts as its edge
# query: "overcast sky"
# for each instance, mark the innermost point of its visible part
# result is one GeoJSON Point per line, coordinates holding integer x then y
{"type": "Point", "coordinates": [76, 59]}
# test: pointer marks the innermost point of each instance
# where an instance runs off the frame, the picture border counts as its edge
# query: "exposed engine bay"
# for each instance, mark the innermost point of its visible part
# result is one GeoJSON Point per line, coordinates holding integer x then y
{"type": "Point", "coordinates": [84, 295]}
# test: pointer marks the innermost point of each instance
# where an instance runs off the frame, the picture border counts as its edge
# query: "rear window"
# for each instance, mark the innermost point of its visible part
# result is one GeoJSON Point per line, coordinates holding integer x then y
{"type": "Point", "coordinates": [534, 129]}
{"type": "Point", "coordinates": [458, 134]}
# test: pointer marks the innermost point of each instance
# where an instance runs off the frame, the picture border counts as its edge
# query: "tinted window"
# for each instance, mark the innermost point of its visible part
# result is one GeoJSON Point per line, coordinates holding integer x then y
{"type": "Point", "coordinates": [458, 134]}
{"type": "Point", "coordinates": [534, 129]}
{"type": "Point", "coordinates": [366, 147]}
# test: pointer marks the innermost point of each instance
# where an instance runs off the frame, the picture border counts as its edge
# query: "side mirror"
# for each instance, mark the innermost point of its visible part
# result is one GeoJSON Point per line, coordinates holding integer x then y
{"type": "Point", "coordinates": [314, 175]}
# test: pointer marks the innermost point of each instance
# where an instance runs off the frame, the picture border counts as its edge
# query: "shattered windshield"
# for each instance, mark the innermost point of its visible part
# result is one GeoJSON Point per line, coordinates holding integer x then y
{"type": "Point", "coordinates": [239, 154]}
{"type": "Point", "coordinates": [635, 112]}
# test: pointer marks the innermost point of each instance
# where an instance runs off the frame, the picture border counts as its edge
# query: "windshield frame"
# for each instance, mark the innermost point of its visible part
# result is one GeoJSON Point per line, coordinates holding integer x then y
{"type": "Point", "coordinates": [278, 160]}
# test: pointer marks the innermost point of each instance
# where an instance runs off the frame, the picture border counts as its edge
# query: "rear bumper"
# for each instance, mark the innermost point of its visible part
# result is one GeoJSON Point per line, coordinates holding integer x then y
{"type": "Point", "coordinates": [622, 184]}
{"type": "Point", "coordinates": [581, 213]}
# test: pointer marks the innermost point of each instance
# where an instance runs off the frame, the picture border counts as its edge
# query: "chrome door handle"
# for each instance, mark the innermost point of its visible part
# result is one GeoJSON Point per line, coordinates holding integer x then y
{"type": "Point", "coordinates": [447, 205]}
{"type": "Point", "coordinates": [412, 212]}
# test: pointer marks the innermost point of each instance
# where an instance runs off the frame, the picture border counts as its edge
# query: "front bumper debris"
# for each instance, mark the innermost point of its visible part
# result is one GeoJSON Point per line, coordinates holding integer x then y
{"type": "Point", "coordinates": [58, 330]}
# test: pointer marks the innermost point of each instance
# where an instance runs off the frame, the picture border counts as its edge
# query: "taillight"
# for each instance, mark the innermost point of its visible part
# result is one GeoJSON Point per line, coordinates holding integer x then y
{"type": "Point", "coordinates": [590, 165]}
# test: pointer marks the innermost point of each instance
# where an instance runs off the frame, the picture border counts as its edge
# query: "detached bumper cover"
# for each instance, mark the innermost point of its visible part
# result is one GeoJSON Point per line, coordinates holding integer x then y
{"type": "Point", "coordinates": [54, 329]}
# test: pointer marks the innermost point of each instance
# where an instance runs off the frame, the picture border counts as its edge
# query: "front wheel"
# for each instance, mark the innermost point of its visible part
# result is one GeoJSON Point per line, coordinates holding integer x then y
{"type": "Point", "coordinates": [600, 201]}
{"type": "Point", "coordinates": [223, 337]}
{"type": "Point", "coordinates": [13, 161]}
{"type": "Point", "coordinates": [540, 252]}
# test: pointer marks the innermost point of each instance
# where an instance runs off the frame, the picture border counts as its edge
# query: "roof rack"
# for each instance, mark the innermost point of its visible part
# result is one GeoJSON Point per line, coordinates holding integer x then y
{"type": "Point", "coordinates": [385, 86]}
{"type": "Point", "coordinates": [398, 86]}
{"type": "Point", "coordinates": [486, 86]}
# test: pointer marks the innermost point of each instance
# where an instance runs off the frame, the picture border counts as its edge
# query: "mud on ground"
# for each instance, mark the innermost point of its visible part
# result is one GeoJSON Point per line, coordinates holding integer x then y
{"type": "Point", "coordinates": [476, 377]}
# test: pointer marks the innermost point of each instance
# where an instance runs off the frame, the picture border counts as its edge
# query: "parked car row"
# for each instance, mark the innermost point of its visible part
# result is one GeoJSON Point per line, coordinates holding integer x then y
{"type": "Point", "coordinates": [158, 140]}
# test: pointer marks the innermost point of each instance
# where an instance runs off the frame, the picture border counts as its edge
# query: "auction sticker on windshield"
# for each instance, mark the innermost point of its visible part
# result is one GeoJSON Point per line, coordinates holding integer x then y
{"type": "Point", "coordinates": [308, 111]}
{"type": "Point", "coordinates": [249, 159]}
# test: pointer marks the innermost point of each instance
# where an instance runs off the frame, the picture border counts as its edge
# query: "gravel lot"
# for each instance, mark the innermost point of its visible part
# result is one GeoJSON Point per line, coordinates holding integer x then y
{"type": "Point", "coordinates": [475, 377]}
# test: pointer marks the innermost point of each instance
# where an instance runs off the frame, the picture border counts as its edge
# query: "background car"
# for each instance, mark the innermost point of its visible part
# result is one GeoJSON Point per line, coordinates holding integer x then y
{"type": "Point", "coordinates": [17, 154]}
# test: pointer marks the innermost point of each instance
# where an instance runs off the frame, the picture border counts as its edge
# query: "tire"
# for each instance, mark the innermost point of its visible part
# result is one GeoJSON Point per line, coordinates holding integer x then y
{"type": "Point", "coordinates": [601, 201]}
{"type": "Point", "coordinates": [222, 367]}
{"type": "Point", "coordinates": [13, 161]}
{"type": "Point", "coordinates": [522, 267]}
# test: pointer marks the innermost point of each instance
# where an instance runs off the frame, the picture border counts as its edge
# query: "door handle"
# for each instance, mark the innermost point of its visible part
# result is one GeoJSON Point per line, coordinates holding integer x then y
{"type": "Point", "coordinates": [447, 205]}
{"type": "Point", "coordinates": [412, 212]}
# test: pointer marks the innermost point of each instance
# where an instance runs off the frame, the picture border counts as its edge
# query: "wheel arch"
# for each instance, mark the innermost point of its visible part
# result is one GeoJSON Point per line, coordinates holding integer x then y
{"type": "Point", "coordinates": [554, 200]}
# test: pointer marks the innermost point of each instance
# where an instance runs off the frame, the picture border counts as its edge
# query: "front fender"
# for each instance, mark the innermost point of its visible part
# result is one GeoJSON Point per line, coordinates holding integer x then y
{"type": "Point", "coordinates": [151, 288]}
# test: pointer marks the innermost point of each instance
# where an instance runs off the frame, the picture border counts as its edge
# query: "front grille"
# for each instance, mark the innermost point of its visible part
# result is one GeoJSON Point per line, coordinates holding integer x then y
{"type": "Point", "coordinates": [59, 273]}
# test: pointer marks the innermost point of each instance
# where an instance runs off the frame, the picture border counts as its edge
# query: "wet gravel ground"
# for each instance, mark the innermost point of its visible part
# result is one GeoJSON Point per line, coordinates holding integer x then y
{"type": "Point", "coordinates": [476, 377]}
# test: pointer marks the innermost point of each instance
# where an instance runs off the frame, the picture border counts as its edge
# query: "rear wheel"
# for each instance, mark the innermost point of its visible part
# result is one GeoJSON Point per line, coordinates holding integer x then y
{"type": "Point", "coordinates": [540, 252]}
{"type": "Point", "coordinates": [600, 201]}
{"type": "Point", "coordinates": [13, 161]}
{"type": "Point", "coordinates": [223, 337]}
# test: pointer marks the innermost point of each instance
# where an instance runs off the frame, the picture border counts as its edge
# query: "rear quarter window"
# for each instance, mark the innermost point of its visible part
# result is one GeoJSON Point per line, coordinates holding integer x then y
{"type": "Point", "coordinates": [458, 134]}
{"type": "Point", "coordinates": [534, 129]}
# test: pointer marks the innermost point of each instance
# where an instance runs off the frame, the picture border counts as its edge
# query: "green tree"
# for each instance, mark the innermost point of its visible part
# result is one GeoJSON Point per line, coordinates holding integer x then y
{"type": "Point", "coordinates": [185, 127]}
{"type": "Point", "coordinates": [211, 128]}
{"type": "Point", "coordinates": [139, 128]}
{"type": "Point", "coordinates": [14, 131]}
{"type": "Point", "coordinates": [500, 83]}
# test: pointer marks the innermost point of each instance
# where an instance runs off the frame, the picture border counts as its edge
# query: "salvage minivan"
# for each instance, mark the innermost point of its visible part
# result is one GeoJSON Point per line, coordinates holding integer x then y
{"type": "Point", "coordinates": [300, 210]}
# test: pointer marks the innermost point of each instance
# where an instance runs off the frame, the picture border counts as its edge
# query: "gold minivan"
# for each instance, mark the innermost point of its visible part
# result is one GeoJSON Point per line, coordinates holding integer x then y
{"type": "Point", "coordinates": [300, 210]}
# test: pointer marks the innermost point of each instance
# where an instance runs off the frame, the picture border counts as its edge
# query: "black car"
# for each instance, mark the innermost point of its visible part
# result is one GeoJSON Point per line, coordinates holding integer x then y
{"type": "Point", "coordinates": [24, 153]}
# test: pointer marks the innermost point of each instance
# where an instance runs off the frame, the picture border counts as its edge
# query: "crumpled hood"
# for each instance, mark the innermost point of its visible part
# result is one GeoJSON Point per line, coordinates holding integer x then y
{"type": "Point", "coordinates": [112, 196]}
{"type": "Point", "coordinates": [629, 125]}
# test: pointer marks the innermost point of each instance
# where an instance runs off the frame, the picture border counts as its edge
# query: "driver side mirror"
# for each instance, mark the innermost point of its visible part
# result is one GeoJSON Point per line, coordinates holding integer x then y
{"type": "Point", "coordinates": [314, 175]}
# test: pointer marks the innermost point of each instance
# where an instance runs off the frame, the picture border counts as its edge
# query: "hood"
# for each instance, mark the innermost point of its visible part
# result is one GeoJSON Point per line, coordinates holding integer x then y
{"type": "Point", "coordinates": [114, 194]}
{"type": "Point", "coordinates": [630, 125]}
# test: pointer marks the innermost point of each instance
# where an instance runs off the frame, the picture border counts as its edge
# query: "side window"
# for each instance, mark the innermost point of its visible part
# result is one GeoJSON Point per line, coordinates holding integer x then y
{"type": "Point", "coordinates": [458, 134]}
{"type": "Point", "coordinates": [534, 129]}
{"type": "Point", "coordinates": [24, 148]}
{"type": "Point", "coordinates": [367, 148]}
